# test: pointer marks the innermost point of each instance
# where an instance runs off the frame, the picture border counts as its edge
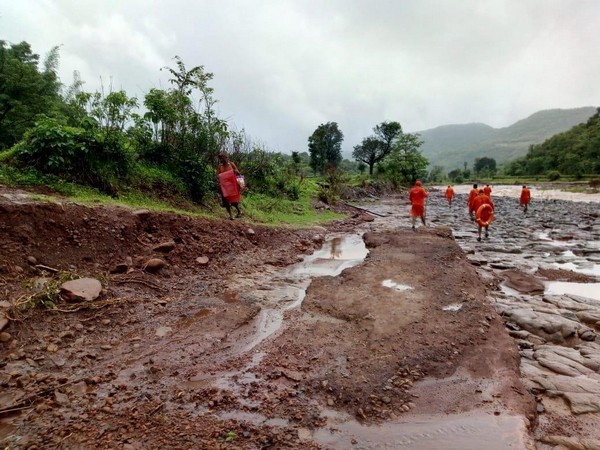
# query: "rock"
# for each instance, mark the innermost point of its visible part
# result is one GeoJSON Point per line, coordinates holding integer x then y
{"type": "Point", "coordinates": [318, 239]}
{"type": "Point", "coordinates": [154, 265]}
{"type": "Point", "coordinates": [250, 232]}
{"type": "Point", "coordinates": [551, 327]}
{"type": "Point", "coordinates": [163, 331]}
{"type": "Point", "coordinates": [202, 260]}
{"type": "Point", "coordinates": [5, 305]}
{"type": "Point", "coordinates": [61, 399]}
{"type": "Point", "coordinates": [82, 289]}
{"type": "Point", "coordinates": [141, 214]}
{"type": "Point", "coordinates": [523, 282]}
{"type": "Point", "coordinates": [587, 335]}
{"type": "Point", "coordinates": [292, 375]}
{"type": "Point", "coordinates": [3, 321]}
{"type": "Point", "coordinates": [5, 337]}
{"type": "Point", "coordinates": [32, 260]}
{"type": "Point", "coordinates": [52, 348]}
{"type": "Point", "coordinates": [165, 247]}
{"type": "Point", "coordinates": [79, 388]}
{"type": "Point", "coordinates": [304, 434]}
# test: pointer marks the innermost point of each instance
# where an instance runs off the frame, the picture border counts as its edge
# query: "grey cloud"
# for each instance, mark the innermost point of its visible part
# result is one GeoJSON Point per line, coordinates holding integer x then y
{"type": "Point", "coordinates": [283, 67]}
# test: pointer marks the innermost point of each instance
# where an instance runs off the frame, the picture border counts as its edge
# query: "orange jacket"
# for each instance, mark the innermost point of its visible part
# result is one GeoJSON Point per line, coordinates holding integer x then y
{"type": "Point", "coordinates": [525, 196]}
{"type": "Point", "coordinates": [472, 194]}
{"type": "Point", "coordinates": [482, 199]}
{"type": "Point", "coordinates": [487, 190]}
{"type": "Point", "coordinates": [449, 193]}
{"type": "Point", "coordinates": [417, 196]}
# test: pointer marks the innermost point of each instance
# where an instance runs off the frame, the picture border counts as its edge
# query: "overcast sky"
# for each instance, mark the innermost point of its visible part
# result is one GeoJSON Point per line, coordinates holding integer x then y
{"type": "Point", "coordinates": [282, 67]}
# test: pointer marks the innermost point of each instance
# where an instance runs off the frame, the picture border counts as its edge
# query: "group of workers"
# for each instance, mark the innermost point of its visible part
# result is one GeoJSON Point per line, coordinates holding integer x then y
{"type": "Point", "coordinates": [480, 204]}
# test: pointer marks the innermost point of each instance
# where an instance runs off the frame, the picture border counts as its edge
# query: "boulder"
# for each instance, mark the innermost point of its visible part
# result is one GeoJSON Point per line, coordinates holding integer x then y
{"type": "Point", "coordinates": [154, 265]}
{"type": "Point", "coordinates": [165, 247]}
{"type": "Point", "coordinates": [82, 289]}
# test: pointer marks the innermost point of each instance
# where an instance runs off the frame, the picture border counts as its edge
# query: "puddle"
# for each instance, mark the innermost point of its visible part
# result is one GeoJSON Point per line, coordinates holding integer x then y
{"type": "Point", "coordinates": [337, 254]}
{"type": "Point", "coordinates": [453, 307]}
{"type": "Point", "coordinates": [232, 380]}
{"type": "Point", "coordinates": [589, 290]}
{"type": "Point", "coordinates": [585, 268]}
{"type": "Point", "coordinates": [467, 431]}
{"type": "Point", "coordinates": [509, 291]}
{"type": "Point", "coordinates": [396, 286]}
{"type": "Point", "coordinates": [254, 418]}
{"type": "Point", "coordinates": [267, 323]}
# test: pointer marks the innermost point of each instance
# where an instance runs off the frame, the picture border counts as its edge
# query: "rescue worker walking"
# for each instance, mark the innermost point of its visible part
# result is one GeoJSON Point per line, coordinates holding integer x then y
{"type": "Point", "coordinates": [417, 196]}
{"type": "Point", "coordinates": [484, 208]}
{"type": "Point", "coordinates": [525, 198]}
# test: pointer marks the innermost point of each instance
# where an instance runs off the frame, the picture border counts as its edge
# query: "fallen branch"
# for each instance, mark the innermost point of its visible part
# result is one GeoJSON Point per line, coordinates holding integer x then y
{"type": "Point", "coordinates": [46, 268]}
{"type": "Point", "coordinates": [156, 409]}
{"type": "Point", "coordinates": [365, 210]}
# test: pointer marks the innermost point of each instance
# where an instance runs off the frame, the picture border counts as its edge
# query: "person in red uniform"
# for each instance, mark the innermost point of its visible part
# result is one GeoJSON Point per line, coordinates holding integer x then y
{"type": "Point", "coordinates": [449, 195]}
{"type": "Point", "coordinates": [487, 190]}
{"type": "Point", "coordinates": [234, 199]}
{"type": "Point", "coordinates": [417, 196]}
{"type": "Point", "coordinates": [484, 215]}
{"type": "Point", "coordinates": [472, 194]}
{"type": "Point", "coordinates": [525, 198]}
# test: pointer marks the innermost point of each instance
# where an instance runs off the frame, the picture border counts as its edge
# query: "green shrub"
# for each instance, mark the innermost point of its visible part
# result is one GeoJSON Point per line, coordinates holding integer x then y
{"type": "Point", "coordinates": [553, 175]}
{"type": "Point", "coordinates": [85, 156]}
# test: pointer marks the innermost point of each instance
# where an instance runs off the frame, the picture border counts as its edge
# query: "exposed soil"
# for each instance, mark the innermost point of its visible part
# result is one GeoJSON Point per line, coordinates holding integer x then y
{"type": "Point", "coordinates": [169, 359]}
{"type": "Point", "coordinates": [565, 275]}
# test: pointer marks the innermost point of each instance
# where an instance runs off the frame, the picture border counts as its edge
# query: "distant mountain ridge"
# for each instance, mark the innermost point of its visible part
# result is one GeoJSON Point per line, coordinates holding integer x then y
{"type": "Point", "coordinates": [451, 145]}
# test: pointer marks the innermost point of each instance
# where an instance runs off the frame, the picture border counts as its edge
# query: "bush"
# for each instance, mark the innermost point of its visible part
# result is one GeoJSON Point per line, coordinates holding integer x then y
{"type": "Point", "coordinates": [553, 175]}
{"type": "Point", "coordinates": [84, 156]}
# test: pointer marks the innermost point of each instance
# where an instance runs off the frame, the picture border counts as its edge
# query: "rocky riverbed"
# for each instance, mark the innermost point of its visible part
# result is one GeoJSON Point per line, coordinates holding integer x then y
{"type": "Point", "coordinates": [401, 340]}
{"type": "Point", "coordinates": [547, 266]}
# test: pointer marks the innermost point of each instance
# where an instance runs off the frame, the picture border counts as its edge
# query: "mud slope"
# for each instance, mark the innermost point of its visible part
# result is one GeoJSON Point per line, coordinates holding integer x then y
{"type": "Point", "coordinates": [171, 359]}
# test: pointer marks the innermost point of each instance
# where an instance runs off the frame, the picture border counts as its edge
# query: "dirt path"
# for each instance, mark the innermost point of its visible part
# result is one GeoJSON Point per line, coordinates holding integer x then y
{"type": "Point", "coordinates": [240, 349]}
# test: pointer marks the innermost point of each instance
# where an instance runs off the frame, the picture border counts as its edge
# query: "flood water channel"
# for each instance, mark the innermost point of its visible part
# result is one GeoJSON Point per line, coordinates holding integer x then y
{"type": "Point", "coordinates": [554, 234]}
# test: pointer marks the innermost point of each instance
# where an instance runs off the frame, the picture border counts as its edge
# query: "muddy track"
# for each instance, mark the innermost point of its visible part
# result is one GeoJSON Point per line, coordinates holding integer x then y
{"type": "Point", "coordinates": [235, 344]}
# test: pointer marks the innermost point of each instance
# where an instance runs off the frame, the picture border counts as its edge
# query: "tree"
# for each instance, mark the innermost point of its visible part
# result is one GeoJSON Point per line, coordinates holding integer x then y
{"type": "Point", "coordinates": [406, 162]}
{"type": "Point", "coordinates": [436, 174]}
{"type": "Point", "coordinates": [325, 147]}
{"type": "Point", "coordinates": [454, 174]}
{"type": "Point", "coordinates": [25, 90]}
{"type": "Point", "coordinates": [375, 148]}
{"type": "Point", "coordinates": [369, 152]}
{"type": "Point", "coordinates": [484, 166]}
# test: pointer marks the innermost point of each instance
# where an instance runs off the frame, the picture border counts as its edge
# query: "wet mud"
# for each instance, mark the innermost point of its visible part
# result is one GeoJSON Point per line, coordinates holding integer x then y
{"type": "Point", "coordinates": [363, 334]}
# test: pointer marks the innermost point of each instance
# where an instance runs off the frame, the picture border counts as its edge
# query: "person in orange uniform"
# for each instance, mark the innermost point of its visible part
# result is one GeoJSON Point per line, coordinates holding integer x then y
{"type": "Point", "coordinates": [525, 198]}
{"type": "Point", "coordinates": [472, 194]}
{"type": "Point", "coordinates": [449, 195]}
{"type": "Point", "coordinates": [487, 190]}
{"type": "Point", "coordinates": [232, 200]}
{"type": "Point", "coordinates": [417, 196]}
{"type": "Point", "coordinates": [484, 216]}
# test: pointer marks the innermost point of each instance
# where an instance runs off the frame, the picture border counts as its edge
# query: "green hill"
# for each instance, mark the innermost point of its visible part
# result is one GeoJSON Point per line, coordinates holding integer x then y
{"type": "Point", "coordinates": [450, 145]}
{"type": "Point", "coordinates": [573, 152]}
